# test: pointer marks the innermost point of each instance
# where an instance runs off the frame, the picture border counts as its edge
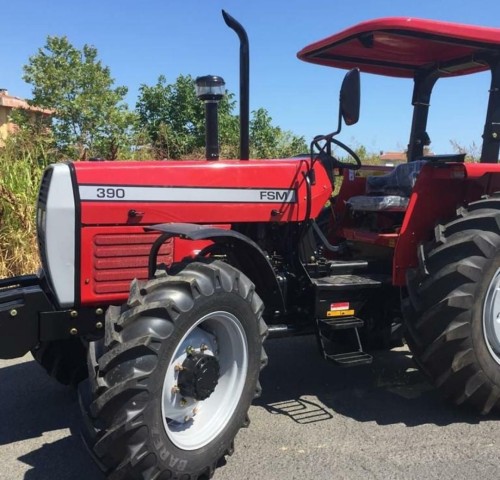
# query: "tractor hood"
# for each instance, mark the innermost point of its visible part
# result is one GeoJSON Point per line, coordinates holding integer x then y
{"type": "Point", "coordinates": [402, 47]}
{"type": "Point", "coordinates": [227, 191]}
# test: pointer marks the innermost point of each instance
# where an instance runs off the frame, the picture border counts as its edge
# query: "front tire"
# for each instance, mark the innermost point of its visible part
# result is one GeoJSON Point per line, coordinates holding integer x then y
{"type": "Point", "coordinates": [174, 378]}
{"type": "Point", "coordinates": [453, 310]}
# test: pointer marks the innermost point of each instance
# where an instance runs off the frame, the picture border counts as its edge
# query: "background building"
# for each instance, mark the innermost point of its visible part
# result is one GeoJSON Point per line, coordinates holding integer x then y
{"type": "Point", "coordinates": [9, 103]}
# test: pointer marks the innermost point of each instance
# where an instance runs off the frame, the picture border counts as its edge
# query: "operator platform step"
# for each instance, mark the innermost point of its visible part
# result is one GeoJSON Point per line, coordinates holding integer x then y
{"type": "Point", "coordinates": [329, 328]}
{"type": "Point", "coordinates": [340, 323]}
{"type": "Point", "coordinates": [350, 282]}
{"type": "Point", "coordinates": [350, 359]}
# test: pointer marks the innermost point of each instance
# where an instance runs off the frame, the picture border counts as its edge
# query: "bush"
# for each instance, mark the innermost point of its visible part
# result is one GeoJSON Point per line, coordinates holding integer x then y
{"type": "Point", "coordinates": [23, 158]}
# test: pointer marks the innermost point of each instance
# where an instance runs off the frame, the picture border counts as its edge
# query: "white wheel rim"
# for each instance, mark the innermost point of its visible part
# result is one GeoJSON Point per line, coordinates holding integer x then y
{"type": "Point", "coordinates": [189, 423]}
{"type": "Point", "coordinates": [491, 317]}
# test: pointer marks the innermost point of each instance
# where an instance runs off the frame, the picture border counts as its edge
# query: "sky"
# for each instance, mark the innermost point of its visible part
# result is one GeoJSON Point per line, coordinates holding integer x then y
{"type": "Point", "coordinates": [140, 40]}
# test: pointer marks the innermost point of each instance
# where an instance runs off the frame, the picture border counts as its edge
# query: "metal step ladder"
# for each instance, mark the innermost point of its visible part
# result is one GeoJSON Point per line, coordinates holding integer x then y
{"type": "Point", "coordinates": [326, 335]}
{"type": "Point", "coordinates": [338, 336]}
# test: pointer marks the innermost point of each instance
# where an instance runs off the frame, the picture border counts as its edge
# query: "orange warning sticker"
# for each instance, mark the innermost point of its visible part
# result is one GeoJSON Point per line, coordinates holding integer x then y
{"type": "Point", "coordinates": [340, 313]}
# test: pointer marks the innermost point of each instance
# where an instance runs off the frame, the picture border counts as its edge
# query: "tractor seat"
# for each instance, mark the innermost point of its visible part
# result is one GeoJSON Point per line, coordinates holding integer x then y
{"type": "Point", "coordinates": [389, 192]}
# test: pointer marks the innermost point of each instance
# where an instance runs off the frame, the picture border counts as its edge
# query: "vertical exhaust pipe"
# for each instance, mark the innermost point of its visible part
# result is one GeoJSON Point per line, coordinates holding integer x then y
{"type": "Point", "coordinates": [244, 84]}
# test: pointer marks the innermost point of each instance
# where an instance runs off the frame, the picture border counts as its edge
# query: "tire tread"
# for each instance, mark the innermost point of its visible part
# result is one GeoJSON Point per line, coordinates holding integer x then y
{"type": "Point", "coordinates": [441, 296]}
{"type": "Point", "coordinates": [121, 391]}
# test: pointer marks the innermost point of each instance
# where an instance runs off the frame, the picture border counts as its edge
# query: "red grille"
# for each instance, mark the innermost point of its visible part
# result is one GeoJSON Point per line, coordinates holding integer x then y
{"type": "Point", "coordinates": [119, 258]}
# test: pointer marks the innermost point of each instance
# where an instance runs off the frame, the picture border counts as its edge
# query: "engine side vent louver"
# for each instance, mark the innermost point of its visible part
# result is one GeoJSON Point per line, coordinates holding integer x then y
{"type": "Point", "coordinates": [119, 258]}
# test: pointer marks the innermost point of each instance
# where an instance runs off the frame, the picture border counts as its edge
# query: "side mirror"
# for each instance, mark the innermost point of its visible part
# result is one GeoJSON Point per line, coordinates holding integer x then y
{"type": "Point", "coordinates": [350, 97]}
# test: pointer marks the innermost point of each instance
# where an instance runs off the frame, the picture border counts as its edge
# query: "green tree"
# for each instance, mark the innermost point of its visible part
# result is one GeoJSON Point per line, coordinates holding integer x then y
{"type": "Point", "coordinates": [268, 141]}
{"type": "Point", "coordinates": [366, 157]}
{"type": "Point", "coordinates": [175, 119]}
{"type": "Point", "coordinates": [89, 112]}
{"type": "Point", "coordinates": [117, 138]}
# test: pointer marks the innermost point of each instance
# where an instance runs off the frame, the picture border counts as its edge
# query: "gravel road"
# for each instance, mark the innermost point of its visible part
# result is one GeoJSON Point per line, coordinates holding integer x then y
{"type": "Point", "coordinates": [314, 421]}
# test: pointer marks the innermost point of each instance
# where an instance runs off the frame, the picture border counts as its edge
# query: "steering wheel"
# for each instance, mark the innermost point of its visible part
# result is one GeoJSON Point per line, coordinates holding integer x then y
{"type": "Point", "coordinates": [323, 146]}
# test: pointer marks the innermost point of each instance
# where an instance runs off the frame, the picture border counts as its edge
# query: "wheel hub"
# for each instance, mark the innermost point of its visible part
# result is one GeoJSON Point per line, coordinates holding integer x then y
{"type": "Point", "coordinates": [491, 317]}
{"type": "Point", "coordinates": [198, 376]}
{"type": "Point", "coordinates": [204, 380]}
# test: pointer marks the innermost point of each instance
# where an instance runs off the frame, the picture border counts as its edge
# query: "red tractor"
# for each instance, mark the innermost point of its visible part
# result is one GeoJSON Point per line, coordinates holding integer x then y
{"type": "Point", "coordinates": [217, 255]}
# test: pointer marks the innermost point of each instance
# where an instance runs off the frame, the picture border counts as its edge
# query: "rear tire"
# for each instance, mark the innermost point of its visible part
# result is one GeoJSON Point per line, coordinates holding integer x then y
{"type": "Point", "coordinates": [453, 311]}
{"type": "Point", "coordinates": [151, 419]}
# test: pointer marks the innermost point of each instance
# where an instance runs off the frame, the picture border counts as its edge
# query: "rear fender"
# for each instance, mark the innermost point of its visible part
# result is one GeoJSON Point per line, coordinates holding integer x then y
{"type": "Point", "coordinates": [441, 189]}
{"type": "Point", "coordinates": [250, 258]}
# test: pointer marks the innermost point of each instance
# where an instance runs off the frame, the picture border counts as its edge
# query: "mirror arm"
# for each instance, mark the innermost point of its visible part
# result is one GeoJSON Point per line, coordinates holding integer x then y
{"type": "Point", "coordinates": [339, 127]}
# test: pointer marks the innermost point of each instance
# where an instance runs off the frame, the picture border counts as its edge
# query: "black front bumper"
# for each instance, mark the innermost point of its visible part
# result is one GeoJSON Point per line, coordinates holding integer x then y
{"type": "Point", "coordinates": [22, 299]}
{"type": "Point", "coordinates": [28, 315]}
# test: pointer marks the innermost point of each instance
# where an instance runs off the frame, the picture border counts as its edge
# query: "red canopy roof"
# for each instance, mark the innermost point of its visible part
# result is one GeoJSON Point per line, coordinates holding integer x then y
{"type": "Point", "coordinates": [399, 47]}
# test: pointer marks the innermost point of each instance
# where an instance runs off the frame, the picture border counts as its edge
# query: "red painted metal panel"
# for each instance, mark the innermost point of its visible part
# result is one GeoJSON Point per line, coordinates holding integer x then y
{"type": "Point", "coordinates": [354, 183]}
{"type": "Point", "coordinates": [372, 238]}
{"type": "Point", "coordinates": [400, 46]}
{"type": "Point", "coordinates": [112, 258]}
{"type": "Point", "coordinates": [115, 248]}
{"type": "Point", "coordinates": [437, 194]}
{"type": "Point", "coordinates": [440, 189]}
{"type": "Point", "coordinates": [218, 177]}
{"type": "Point", "coordinates": [115, 275]}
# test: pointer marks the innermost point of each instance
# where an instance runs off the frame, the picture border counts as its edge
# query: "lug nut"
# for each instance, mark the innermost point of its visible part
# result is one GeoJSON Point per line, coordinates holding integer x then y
{"type": "Point", "coordinates": [203, 347]}
{"type": "Point", "coordinates": [73, 313]}
{"type": "Point", "coordinates": [195, 411]}
{"type": "Point", "coordinates": [190, 350]}
{"type": "Point", "coordinates": [99, 325]}
{"type": "Point", "coordinates": [13, 312]}
{"type": "Point", "coordinates": [187, 418]}
{"type": "Point", "coordinates": [99, 311]}
{"type": "Point", "coordinates": [175, 389]}
{"type": "Point", "coordinates": [183, 402]}
{"type": "Point", "coordinates": [178, 367]}
{"type": "Point", "coordinates": [73, 331]}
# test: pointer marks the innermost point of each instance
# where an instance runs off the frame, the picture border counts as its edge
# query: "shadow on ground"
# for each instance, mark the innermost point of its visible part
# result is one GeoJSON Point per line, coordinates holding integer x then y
{"type": "Point", "coordinates": [33, 404]}
{"type": "Point", "coordinates": [297, 383]}
{"type": "Point", "coordinates": [389, 391]}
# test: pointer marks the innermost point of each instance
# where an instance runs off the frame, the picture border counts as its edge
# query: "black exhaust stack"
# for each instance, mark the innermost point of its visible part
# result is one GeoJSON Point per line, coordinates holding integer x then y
{"type": "Point", "coordinates": [244, 84]}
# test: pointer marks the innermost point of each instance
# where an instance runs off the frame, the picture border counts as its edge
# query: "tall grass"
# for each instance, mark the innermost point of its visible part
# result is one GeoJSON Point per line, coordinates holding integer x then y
{"type": "Point", "coordinates": [23, 158]}
{"type": "Point", "coordinates": [22, 161]}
